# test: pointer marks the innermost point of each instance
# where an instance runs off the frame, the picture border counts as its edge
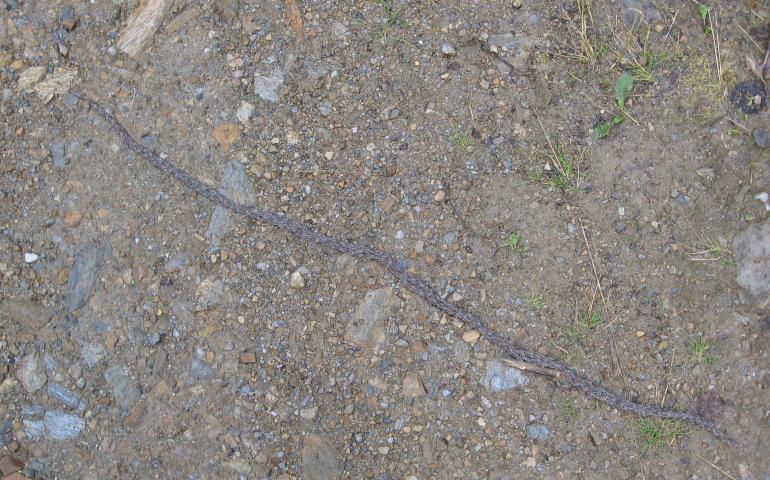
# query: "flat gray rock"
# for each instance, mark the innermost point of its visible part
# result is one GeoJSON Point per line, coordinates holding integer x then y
{"type": "Point", "coordinates": [365, 329]}
{"type": "Point", "coordinates": [84, 275]}
{"type": "Point", "coordinates": [752, 258]}
{"type": "Point", "coordinates": [500, 377]}
{"type": "Point", "coordinates": [237, 186]}
{"type": "Point", "coordinates": [62, 426]}
{"type": "Point", "coordinates": [31, 373]}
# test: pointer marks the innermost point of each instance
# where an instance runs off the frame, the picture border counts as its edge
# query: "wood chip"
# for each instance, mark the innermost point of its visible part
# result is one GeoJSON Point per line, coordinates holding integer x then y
{"type": "Point", "coordinates": [142, 25]}
{"type": "Point", "coordinates": [56, 83]}
{"type": "Point", "coordinates": [180, 20]}
{"type": "Point", "coordinates": [29, 77]}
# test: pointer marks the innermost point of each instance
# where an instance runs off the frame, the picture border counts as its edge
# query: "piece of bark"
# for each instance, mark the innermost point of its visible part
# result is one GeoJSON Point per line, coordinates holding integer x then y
{"type": "Point", "coordinates": [141, 25]}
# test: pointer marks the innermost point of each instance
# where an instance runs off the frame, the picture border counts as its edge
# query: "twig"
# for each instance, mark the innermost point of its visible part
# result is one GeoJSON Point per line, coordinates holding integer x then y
{"type": "Point", "coordinates": [715, 467]}
{"type": "Point", "coordinates": [596, 275]}
{"type": "Point", "coordinates": [532, 368]}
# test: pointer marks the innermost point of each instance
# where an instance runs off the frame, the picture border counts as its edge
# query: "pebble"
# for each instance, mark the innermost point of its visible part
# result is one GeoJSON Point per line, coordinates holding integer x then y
{"type": "Point", "coordinates": [63, 426]}
{"type": "Point", "coordinates": [308, 413]}
{"type": "Point", "coordinates": [318, 460]}
{"type": "Point", "coordinates": [412, 386]}
{"type": "Point", "coordinates": [245, 112]}
{"type": "Point", "coordinates": [439, 196]}
{"type": "Point", "coordinates": [209, 292]}
{"type": "Point", "coordinates": [268, 87]}
{"type": "Point", "coordinates": [58, 155]}
{"type": "Point", "coordinates": [500, 377]}
{"type": "Point", "coordinates": [199, 370]}
{"type": "Point", "coordinates": [28, 314]}
{"type": "Point", "coordinates": [63, 395]}
{"type": "Point", "coordinates": [31, 373]}
{"type": "Point", "coordinates": [752, 258]}
{"type": "Point", "coordinates": [365, 328]}
{"type": "Point", "coordinates": [123, 391]}
{"type": "Point", "coordinates": [73, 218]}
{"type": "Point", "coordinates": [538, 432]}
{"type": "Point", "coordinates": [635, 12]}
{"type": "Point", "coordinates": [236, 185]}
{"type": "Point", "coordinates": [84, 275]}
{"type": "Point", "coordinates": [296, 280]}
{"type": "Point", "coordinates": [68, 17]}
{"type": "Point", "coordinates": [620, 227]}
{"type": "Point", "coordinates": [93, 353]}
{"type": "Point", "coordinates": [448, 49]}
{"type": "Point", "coordinates": [31, 257]}
{"type": "Point", "coordinates": [471, 336]}
{"type": "Point", "coordinates": [33, 428]}
{"type": "Point", "coordinates": [325, 108]}
{"type": "Point", "coordinates": [761, 138]}
{"type": "Point", "coordinates": [248, 357]}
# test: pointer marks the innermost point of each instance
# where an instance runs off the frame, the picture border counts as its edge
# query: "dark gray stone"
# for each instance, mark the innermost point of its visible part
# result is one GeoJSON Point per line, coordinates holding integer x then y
{"type": "Point", "coordinates": [752, 258]}
{"type": "Point", "coordinates": [236, 185]}
{"type": "Point", "coordinates": [124, 392]}
{"type": "Point", "coordinates": [58, 155]}
{"type": "Point", "coordinates": [761, 138]}
{"type": "Point", "coordinates": [84, 275]}
{"type": "Point", "coordinates": [538, 432]}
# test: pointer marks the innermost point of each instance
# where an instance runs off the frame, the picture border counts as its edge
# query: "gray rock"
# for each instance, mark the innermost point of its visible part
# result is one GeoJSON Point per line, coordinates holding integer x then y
{"type": "Point", "coordinates": [200, 370]}
{"type": "Point", "coordinates": [325, 108]}
{"type": "Point", "coordinates": [538, 432]}
{"type": "Point", "coordinates": [515, 50]}
{"type": "Point", "coordinates": [636, 12]}
{"type": "Point", "coordinates": [318, 459]}
{"type": "Point", "coordinates": [33, 428]}
{"type": "Point", "coordinates": [84, 275]}
{"type": "Point", "coordinates": [178, 262]}
{"type": "Point", "coordinates": [365, 329]}
{"type": "Point", "coordinates": [63, 395]}
{"type": "Point", "coordinates": [32, 411]}
{"type": "Point", "coordinates": [268, 88]}
{"type": "Point", "coordinates": [58, 155]}
{"type": "Point", "coordinates": [6, 432]}
{"type": "Point", "coordinates": [208, 293]}
{"type": "Point", "coordinates": [236, 185]}
{"type": "Point", "coordinates": [28, 314]}
{"type": "Point", "coordinates": [448, 49]}
{"type": "Point", "coordinates": [620, 227]}
{"type": "Point", "coordinates": [124, 392]}
{"type": "Point", "coordinates": [500, 377]}
{"type": "Point", "coordinates": [31, 373]}
{"type": "Point", "coordinates": [761, 138]}
{"type": "Point", "coordinates": [93, 354]}
{"type": "Point", "coordinates": [752, 258]}
{"type": "Point", "coordinates": [63, 426]}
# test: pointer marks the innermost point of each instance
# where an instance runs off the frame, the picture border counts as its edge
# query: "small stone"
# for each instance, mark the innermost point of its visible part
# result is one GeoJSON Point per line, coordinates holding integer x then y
{"type": "Point", "coordinates": [226, 134]}
{"type": "Point", "coordinates": [268, 87]}
{"type": "Point", "coordinates": [297, 281]}
{"type": "Point", "coordinates": [325, 108]}
{"type": "Point", "coordinates": [329, 155]}
{"type": "Point", "coordinates": [248, 357]}
{"type": "Point", "coordinates": [31, 373]}
{"type": "Point", "coordinates": [413, 386]}
{"type": "Point", "coordinates": [73, 218]}
{"type": "Point", "coordinates": [58, 155]}
{"type": "Point", "coordinates": [245, 112]}
{"type": "Point", "coordinates": [761, 138]}
{"type": "Point", "coordinates": [500, 377]}
{"type": "Point", "coordinates": [439, 196]}
{"type": "Point", "coordinates": [365, 328]}
{"type": "Point", "coordinates": [318, 460]}
{"type": "Point", "coordinates": [448, 49]}
{"type": "Point", "coordinates": [308, 413]}
{"type": "Point", "coordinates": [29, 77]}
{"type": "Point", "coordinates": [752, 258]}
{"type": "Point", "coordinates": [63, 395]}
{"type": "Point", "coordinates": [471, 336]}
{"type": "Point", "coordinates": [9, 465]}
{"type": "Point", "coordinates": [29, 315]}
{"type": "Point", "coordinates": [538, 432]}
{"type": "Point", "coordinates": [30, 257]}
{"type": "Point", "coordinates": [388, 203]}
{"type": "Point", "coordinates": [93, 354]}
{"type": "Point", "coordinates": [516, 3]}
{"type": "Point", "coordinates": [123, 391]}
{"type": "Point", "coordinates": [84, 275]}
{"type": "Point", "coordinates": [236, 185]}
{"type": "Point", "coordinates": [620, 227]}
{"type": "Point", "coordinates": [209, 292]}
{"type": "Point", "coordinates": [68, 17]}
{"type": "Point", "coordinates": [63, 426]}
{"type": "Point", "coordinates": [383, 450]}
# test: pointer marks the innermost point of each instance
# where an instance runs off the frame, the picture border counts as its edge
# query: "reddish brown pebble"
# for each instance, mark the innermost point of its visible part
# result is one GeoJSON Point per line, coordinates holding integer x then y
{"type": "Point", "coordinates": [248, 357]}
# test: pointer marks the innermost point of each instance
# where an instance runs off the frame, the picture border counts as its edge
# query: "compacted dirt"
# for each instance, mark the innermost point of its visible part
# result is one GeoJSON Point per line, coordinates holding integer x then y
{"type": "Point", "coordinates": [591, 177]}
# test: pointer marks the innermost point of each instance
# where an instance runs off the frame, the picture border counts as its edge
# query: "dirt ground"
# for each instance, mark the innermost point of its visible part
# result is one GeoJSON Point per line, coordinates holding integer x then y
{"type": "Point", "coordinates": [589, 176]}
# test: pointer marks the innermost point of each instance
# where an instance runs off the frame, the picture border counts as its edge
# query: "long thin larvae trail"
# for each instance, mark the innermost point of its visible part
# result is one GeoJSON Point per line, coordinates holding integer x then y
{"type": "Point", "coordinates": [417, 285]}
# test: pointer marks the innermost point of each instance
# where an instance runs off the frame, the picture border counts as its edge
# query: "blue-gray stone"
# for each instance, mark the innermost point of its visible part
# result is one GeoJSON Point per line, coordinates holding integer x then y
{"type": "Point", "coordinates": [63, 395]}
{"type": "Point", "coordinates": [538, 432]}
{"type": "Point", "coordinates": [63, 426]}
{"type": "Point", "coordinates": [84, 275]}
